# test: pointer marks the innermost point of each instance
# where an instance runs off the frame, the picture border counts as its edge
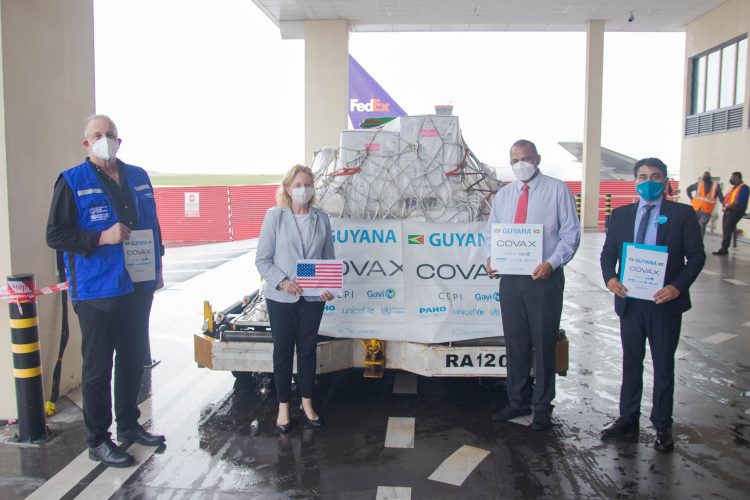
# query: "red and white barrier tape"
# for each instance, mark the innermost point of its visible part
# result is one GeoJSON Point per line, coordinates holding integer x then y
{"type": "Point", "coordinates": [23, 292]}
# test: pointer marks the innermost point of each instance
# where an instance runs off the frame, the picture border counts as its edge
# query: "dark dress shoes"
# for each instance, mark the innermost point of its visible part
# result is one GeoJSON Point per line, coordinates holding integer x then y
{"type": "Point", "coordinates": [664, 442]}
{"type": "Point", "coordinates": [315, 424]}
{"type": "Point", "coordinates": [720, 252]}
{"type": "Point", "coordinates": [542, 421]}
{"type": "Point", "coordinates": [110, 455]}
{"type": "Point", "coordinates": [509, 413]}
{"type": "Point", "coordinates": [621, 429]}
{"type": "Point", "coordinates": [284, 428]}
{"type": "Point", "coordinates": [138, 434]}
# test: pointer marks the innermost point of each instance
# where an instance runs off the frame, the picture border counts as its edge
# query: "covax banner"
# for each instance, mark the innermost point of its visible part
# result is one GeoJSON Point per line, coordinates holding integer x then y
{"type": "Point", "coordinates": [413, 281]}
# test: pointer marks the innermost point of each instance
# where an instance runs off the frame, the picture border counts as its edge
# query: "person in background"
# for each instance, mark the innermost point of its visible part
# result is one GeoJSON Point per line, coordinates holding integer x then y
{"type": "Point", "coordinates": [95, 206]}
{"type": "Point", "coordinates": [706, 192]}
{"type": "Point", "coordinates": [735, 206]}
{"type": "Point", "coordinates": [293, 230]}
{"type": "Point", "coordinates": [531, 305]}
{"type": "Point", "coordinates": [651, 221]}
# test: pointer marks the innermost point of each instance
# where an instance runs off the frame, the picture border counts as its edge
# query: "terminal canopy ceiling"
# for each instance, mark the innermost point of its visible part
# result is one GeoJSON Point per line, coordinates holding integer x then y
{"type": "Point", "coordinates": [491, 15]}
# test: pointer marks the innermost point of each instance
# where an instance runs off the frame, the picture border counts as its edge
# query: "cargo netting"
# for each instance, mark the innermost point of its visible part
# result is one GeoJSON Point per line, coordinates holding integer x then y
{"type": "Point", "coordinates": [414, 167]}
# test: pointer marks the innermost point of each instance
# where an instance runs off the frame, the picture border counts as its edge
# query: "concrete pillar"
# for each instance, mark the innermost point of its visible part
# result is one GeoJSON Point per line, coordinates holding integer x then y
{"type": "Point", "coordinates": [592, 125]}
{"type": "Point", "coordinates": [47, 89]}
{"type": "Point", "coordinates": [326, 83]}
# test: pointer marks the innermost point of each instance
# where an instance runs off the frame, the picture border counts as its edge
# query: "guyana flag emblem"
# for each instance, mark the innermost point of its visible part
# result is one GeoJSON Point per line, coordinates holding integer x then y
{"type": "Point", "coordinates": [416, 239]}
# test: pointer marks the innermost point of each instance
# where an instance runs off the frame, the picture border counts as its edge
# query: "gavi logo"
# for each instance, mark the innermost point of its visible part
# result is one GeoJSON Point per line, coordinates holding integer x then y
{"type": "Point", "coordinates": [374, 105]}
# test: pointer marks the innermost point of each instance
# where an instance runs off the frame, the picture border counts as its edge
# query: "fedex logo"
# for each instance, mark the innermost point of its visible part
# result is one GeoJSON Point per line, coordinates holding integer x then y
{"type": "Point", "coordinates": [373, 105]}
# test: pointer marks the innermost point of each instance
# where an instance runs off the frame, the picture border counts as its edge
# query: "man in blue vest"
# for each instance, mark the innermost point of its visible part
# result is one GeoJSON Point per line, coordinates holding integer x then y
{"type": "Point", "coordinates": [103, 215]}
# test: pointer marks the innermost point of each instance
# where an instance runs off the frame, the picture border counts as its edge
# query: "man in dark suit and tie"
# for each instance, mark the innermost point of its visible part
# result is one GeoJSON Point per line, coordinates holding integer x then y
{"type": "Point", "coordinates": [652, 221]}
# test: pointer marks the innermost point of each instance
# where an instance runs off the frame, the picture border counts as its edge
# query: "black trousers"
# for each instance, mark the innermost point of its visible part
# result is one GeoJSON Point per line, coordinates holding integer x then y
{"type": "Point", "coordinates": [642, 321]}
{"type": "Point", "coordinates": [531, 319]}
{"type": "Point", "coordinates": [294, 324]}
{"type": "Point", "coordinates": [728, 225]}
{"type": "Point", "coordinates": [121, 329]}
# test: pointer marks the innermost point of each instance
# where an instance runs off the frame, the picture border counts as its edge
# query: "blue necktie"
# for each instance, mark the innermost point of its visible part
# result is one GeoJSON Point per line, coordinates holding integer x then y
{"type": "Point", "coordinates": [641, 235]}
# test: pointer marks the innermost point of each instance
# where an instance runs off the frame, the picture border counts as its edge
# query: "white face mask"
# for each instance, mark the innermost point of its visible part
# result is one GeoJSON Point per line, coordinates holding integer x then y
{"type": "Point", "coordinates": [105, 148]}
{"type": "Point", "coordinates": [523, 170]}
{"type": "Point", "coordinates": [301, 195]}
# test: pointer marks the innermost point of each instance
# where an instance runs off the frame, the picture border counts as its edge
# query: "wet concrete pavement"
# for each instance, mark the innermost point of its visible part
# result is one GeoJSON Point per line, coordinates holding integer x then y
{"type": "Point", "coordinates": [221, 441]}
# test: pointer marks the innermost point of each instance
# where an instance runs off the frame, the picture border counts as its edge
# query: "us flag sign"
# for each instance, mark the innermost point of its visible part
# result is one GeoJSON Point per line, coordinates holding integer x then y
{"type": "Point", "coordinates": [318, 276]}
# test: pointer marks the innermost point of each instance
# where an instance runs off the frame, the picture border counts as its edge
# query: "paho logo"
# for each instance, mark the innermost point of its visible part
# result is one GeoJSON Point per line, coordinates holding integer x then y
{"type": "Point", "coordinates": [436, 310]}
{"type": "Point", "coordinates": [374, 105]}
{"type": "Point", "coordinates": [388, 293]}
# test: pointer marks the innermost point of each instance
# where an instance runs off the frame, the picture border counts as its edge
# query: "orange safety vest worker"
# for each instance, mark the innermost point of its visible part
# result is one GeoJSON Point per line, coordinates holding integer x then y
{"type": "Point", "coordinates": [732, 194]}
{"type": "Point", "coordinates": [705, 202]}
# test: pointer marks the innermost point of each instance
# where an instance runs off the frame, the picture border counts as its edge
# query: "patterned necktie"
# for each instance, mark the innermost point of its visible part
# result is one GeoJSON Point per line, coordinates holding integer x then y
{"type": "Point", "coordinates": [523, 205]}
{"type": "Point", "coordinates": [641, 235]}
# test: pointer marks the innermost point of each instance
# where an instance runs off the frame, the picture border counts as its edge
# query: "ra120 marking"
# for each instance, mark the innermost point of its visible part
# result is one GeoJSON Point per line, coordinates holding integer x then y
{"type": "Point", "coordinates": [479, 360]}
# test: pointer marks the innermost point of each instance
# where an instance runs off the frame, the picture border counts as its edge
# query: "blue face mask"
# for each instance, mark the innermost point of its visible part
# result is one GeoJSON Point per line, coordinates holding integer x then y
{"type": "Point", "coordinates": [650, 190]}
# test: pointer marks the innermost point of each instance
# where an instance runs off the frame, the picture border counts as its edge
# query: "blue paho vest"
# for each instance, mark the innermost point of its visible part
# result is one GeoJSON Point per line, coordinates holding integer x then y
{"type": "Point", "coordinates": [103, 274]}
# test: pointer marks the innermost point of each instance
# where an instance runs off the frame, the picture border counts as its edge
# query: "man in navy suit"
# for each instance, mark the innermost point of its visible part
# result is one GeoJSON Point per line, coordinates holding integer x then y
{"type": "Point", "coordinates": [654, 220]}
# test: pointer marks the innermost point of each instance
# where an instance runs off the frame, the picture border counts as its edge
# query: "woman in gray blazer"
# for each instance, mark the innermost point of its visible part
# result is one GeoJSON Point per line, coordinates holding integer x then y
{"type": "Point", "coordinates": [293, 230]}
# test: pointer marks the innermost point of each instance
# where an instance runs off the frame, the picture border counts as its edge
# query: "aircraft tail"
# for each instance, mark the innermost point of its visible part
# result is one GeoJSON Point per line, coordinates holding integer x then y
{"type": "Point", "coordinates": [367, 99]}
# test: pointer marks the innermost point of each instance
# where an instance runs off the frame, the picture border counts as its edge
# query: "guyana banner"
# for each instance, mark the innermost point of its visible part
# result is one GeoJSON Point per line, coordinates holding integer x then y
{"type": "Point", "coordinates": [413, 281]}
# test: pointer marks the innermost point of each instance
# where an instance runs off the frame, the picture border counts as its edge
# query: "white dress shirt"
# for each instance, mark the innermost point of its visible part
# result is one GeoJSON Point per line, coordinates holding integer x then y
{"type": "Point", "coordinates": [551, 204]}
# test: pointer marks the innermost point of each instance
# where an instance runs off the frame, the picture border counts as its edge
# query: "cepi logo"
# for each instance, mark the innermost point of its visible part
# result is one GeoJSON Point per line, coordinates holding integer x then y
{"type": "Point", "coordinates": [375, 105]}
{"type": "Point", "coordinates": [487, 297]}
{"type": "Point", "coordinates": [388, 293]}
{"type": "Point", "coordinates": [456, 239]}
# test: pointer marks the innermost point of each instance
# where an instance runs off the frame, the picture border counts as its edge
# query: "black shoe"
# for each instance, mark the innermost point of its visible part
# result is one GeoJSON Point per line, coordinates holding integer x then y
{"type": "Point", "coordinates": [664, 442]}
{"type": "Point", "coordinates": [110, 455]}
{"type": "Point", "coordinates": [137, 434]}
{"type": "Point", "coordinates": [720, 252]}
{"type": "Point", "coordinates": [620, 428]}
{"type": "Point", "coordinates": [284, 428]}
{"type": "Point", "coordinates": [315, 424]}
{"type": "Point", "coordinates": [509, 413]}
{"type": "Point", "coordinates": [542, 420]}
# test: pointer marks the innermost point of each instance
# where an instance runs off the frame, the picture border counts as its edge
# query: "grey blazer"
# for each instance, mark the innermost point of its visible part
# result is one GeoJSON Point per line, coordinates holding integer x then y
{"type": "Point", "coordinates": [280, 247]}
